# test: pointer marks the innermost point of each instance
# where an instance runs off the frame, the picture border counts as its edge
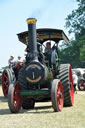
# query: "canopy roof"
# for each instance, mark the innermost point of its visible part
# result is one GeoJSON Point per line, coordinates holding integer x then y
{"type": "Point", "coordinates": [44, 34]}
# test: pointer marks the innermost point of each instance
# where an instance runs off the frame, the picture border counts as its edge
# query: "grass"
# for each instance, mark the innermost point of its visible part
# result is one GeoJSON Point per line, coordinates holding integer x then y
{"type": "Point", "coordinates": [42, 116]}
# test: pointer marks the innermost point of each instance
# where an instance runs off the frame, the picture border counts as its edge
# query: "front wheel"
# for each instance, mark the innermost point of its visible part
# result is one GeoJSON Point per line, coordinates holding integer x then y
{"type": "Point", "coordinates": [57, 96]}
{"type": "Point", "coordinates": [14, 99]}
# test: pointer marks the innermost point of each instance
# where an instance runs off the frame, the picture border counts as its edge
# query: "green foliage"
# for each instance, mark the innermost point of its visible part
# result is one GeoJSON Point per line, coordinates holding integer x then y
{"type": "Point", "coordinates": [5, 67]}
{"type": "Point", "coordinates": [74, 53]}
{"type": "Point", "coordinates": [76, 21]}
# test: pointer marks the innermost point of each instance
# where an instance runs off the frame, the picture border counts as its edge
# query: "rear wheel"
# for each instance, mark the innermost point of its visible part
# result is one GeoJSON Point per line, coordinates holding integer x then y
{"type": "Point", "coordinates": [7, 77]}
{"type": "Point", "coordinates": [65, 76]}
{"type": "Point", "coordinates": [14, 99]}
{"type": "Point", "coordinates": [57, 95]}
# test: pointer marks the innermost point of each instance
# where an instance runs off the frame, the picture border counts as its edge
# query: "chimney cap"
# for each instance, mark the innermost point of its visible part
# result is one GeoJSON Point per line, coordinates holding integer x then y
{"type": "Point", "coordinates": [31, 20]}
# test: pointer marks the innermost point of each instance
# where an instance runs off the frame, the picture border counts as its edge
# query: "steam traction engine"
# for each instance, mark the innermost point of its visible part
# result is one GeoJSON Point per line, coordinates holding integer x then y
{"type": "Point", "coordinates": [41, 77]}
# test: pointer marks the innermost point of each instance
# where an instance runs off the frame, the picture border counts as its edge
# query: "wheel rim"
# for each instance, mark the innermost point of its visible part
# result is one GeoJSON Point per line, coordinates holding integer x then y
{"type": "Point", "coordinates": [59, 96]}
{"type": "Point", "coordinates": [5, 83]}
{"type": "Point", "coordinates": [81, 85]}
{"type": "Point", "coordinates": [17, 100]}
{"type": "Point", "coordinates": [71, 86]}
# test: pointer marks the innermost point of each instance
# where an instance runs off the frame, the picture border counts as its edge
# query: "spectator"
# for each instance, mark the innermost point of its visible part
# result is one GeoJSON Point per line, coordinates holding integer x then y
{"type": "Point", "coordinates": [11, 62]}
{"type": "Point", "coordinates": [19, 58]}
{"type": "Point", "coordinates": [75, 81]}
{"type": "Point", "coordinates": [19, 61]}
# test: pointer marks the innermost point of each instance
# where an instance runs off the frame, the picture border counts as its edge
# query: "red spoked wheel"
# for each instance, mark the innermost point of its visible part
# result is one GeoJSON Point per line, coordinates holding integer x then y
{"type": "Point", "coordinates": [57, 96]}
{"type": "Point", "coordinates": [71, 85]}
{"type": "Point", "coordinates": [5, 82]}
{"type": "Point", "coordinates": [81, 85]}
{"type": "Point", "coordinates": [14, 99]}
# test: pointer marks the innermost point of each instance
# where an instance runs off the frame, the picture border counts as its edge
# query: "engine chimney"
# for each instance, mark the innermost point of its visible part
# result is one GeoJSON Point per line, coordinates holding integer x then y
{"type": "Point", "coordinates": [33, 55]}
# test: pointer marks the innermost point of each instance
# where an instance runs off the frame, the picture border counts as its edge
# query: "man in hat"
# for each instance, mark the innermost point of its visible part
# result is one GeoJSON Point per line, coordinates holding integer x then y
{"type": "Point", "coordinates": [19, 58]}
{"type": "Point", "coordinates": [48, 51]}
{"type": "Point", "coordinates": [19, 61]}
{"type": "Point", "coordinates": [18, 66]}
{"type": "Point", "coordinates": [11, 61]}
{"type": "Point", "coordinates": [48, 47]}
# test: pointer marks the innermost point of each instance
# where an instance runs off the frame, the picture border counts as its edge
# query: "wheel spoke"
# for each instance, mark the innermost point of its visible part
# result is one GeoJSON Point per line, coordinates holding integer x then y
{"type": "Point", "coordinates": [5, 83]}
{"type": "Point", "coordinates": [6, 91]}
{"type": "Point", "coordinates": [60, 96]}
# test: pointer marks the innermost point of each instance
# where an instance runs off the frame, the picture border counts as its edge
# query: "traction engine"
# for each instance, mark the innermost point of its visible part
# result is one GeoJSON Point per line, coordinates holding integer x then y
{"type": "Point", "coordinates": [42, 77]}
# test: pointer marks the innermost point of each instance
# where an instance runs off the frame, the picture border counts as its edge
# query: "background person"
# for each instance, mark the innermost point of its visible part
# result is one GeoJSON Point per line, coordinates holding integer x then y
{"type": "Point", "coordinates": [18, 66]}
{"type": "Point", "coordinates": [11, 62]}
{"type": "Point", "coordinates": [19, 60]}
{"type": "Point", "coordinates": [75, 80]}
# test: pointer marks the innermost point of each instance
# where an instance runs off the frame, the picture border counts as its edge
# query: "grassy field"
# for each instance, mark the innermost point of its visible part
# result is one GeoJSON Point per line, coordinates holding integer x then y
{"type": "Point", "coordinates": [42, 116]}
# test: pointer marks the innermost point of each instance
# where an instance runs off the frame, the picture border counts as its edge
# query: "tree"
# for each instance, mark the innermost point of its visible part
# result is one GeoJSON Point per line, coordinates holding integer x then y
{"type": "Point", "coordinates": [75, 52]}
{"type": "Point", "coordinates": [76, 21]}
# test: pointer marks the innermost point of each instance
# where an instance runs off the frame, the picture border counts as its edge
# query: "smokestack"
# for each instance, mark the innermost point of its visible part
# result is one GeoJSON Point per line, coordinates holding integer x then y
{"type": "Point", "coordinates": [32, 39]}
